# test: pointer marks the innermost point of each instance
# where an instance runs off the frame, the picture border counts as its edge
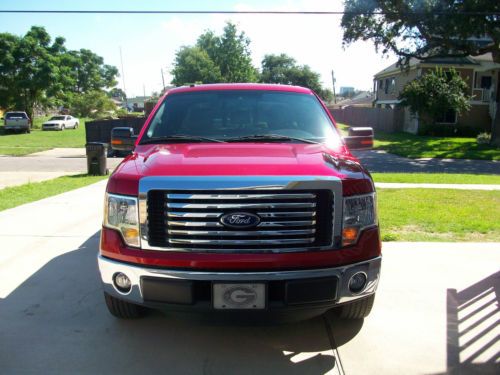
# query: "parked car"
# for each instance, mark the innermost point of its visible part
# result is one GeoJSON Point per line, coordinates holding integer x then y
{"type": "Point", "coordinates": [240, 198]}
{"type": "Point", "coordinates": [61, 122]}
{"type": "Point", "coordinates": [17, 121]}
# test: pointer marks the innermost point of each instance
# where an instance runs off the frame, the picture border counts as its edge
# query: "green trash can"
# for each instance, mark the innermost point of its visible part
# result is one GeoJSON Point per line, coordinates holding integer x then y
{"type": "Point", "coordinates": [96, 158]}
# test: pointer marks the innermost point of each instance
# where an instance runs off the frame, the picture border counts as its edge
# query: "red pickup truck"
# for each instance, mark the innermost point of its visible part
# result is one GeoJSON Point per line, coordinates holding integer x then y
{"type": "Point", "coordinates": [240, 198]}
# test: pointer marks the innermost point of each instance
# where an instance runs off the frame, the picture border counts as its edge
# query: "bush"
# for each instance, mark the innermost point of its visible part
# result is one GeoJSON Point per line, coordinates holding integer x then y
{"type": "Point", "coordinates": [483, 138]}
{"type": "Point", "coordinates": [444, 130]}
{"type": "Point", "coordinates": [93, 104]}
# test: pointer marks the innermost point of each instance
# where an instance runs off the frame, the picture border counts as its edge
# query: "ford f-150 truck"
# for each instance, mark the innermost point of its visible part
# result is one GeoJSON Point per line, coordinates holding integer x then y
{"type": "Point", "coordinates": [240, 198]}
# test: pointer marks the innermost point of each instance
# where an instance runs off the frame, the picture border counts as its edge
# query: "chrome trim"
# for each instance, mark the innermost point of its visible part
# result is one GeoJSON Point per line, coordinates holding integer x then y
{"type": "Point", "coordinates": [284, 241]}
{"type": "Point", "coordinates": [108, 268]}
{"type": "Point", "coordinates": [236, 206]}
{"type": "Point", "coordinates": [226, 184]}
{"type": "Point", "coordinates": [241, 196]}
{"type": "Point", "coordinates": [215, 215]}
{"type": "Point", "coordinates": [249, 233]}
{"type": "Point", "coordinates": [266, 224]}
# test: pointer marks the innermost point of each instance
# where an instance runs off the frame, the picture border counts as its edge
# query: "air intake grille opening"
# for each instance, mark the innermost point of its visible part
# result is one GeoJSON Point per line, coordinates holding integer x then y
{"type": "Point", "coordinates": [190, 219]}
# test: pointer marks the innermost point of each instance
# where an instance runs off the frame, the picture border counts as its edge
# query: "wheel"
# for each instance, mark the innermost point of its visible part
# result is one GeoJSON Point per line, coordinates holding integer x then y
{"type": "Point", "coordinates": [28, 130]}
{"type": "Point", "coordinates": [76, 126]}
{"type": "Point", "coordinates": [357, 310]}
{"type": "Point", "coordinates": [62, 127]}
{"type": "Point", "coordinates": [122, 309]}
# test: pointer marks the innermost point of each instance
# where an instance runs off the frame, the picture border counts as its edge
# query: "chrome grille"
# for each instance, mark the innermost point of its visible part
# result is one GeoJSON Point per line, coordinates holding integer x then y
{"type": "Point", "coordinates": [190, 220]}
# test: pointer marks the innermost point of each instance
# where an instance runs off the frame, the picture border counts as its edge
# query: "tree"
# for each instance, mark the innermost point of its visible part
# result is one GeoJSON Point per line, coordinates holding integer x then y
{"type": "Point", "coordinates": [117, 93]}
{"type": "Point", "coordinates": [224, 58]}
{"type": "Point", "coordinates": [283, 69]}
{"type": "Point", "coordinates": [92, 104]}
{"type": "Point", "coordinates": [36, 72]}
{"type": "Point", "coordinates": [193, 65]}
{"type": "Point", "coordinates": [436, 93]}
{"type": "Point", "coordinates": [427, 28]}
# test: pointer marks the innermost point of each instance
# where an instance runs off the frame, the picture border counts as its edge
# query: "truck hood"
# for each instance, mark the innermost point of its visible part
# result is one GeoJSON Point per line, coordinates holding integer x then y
{"type": "Point", "coordinates": [236, 159]}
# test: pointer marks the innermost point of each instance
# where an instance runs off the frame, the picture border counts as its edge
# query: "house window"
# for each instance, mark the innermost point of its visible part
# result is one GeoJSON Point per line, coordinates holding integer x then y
{"type": "Point", "coordinates": [381, 84]}
{"type": "Point", "coordinates": [486, 82]}
{"type": "Point", "coordinates": [448, 117]}
{"type": "Point", "coordinates": [393, 84]}
{"type": "Point", "coordinates": [386, 87]}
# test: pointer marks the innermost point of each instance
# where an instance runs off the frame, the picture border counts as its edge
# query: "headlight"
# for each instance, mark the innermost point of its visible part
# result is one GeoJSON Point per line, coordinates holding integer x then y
{"type": "Point", "coordinates": [120, 213]}
{"type": "Point", "coordinates": [359, 213]}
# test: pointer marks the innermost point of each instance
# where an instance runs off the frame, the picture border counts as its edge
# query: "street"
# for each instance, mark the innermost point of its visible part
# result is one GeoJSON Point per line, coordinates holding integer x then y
{"type": "Point", "coordinates": [437, 307]}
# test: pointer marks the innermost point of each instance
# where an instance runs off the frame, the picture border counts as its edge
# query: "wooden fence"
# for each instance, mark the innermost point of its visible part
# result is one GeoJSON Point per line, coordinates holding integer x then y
{"type": "Point", "coordinates": [383, 119]}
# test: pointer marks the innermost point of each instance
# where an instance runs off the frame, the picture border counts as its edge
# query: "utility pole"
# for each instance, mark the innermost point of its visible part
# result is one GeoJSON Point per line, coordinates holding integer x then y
{"type": "Point", "coordinates": [333, 84]}
{"type": "Point", "coordinates": [123, 79]}
{"type": "Point", "coordinates": [163, 80]}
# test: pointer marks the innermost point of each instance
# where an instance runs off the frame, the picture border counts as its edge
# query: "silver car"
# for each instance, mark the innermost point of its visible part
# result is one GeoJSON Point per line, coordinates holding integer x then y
{"type": "Point", "coordinates": [61, 122]}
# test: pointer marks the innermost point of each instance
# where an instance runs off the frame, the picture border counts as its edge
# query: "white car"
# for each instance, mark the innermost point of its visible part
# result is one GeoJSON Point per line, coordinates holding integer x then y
{"type": "Point", "coordinates": [61, 122]}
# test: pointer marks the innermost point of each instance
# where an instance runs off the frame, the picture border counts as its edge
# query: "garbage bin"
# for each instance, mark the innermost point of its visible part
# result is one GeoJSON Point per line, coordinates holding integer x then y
{"type": "Point", "coordinates": [96, 158]}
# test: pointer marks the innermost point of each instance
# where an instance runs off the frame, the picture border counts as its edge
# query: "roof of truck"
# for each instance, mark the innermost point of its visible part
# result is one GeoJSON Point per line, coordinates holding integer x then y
{"type": "Point", "coordinates": [241, 86]}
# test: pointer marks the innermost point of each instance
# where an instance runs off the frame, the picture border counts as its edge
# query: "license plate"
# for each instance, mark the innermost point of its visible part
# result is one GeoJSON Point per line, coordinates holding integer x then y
{"type": "Point", "coordinates": [245, 296]}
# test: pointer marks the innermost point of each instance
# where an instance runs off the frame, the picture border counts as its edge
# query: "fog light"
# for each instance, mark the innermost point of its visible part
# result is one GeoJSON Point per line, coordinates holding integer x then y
{"type": "Point", "coordinates": [357, 282]}
{"type": "Point", "coordinates": [122, 282]}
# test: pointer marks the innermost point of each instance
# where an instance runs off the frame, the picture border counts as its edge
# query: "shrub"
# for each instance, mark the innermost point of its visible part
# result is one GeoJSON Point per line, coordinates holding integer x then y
{"type": "Point", "coordinates": [483, 138]}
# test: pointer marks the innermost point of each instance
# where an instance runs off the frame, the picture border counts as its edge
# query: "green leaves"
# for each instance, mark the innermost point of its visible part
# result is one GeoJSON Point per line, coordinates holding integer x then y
{"type": "Point", "coordinates": [36, 72]}
{"type": "Point", "coordinates": [224, 58]}
{"type": "Point", "coordinates": [435, 93]}
{"type": "Point", "coordinates": [283, 69]}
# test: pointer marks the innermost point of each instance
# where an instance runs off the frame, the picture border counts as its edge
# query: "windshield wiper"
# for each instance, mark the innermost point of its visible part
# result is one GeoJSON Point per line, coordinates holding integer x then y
{"type": "Point", "coordinates": [178, 137]}
{"type": "Point", "coordinates": [268, 137]}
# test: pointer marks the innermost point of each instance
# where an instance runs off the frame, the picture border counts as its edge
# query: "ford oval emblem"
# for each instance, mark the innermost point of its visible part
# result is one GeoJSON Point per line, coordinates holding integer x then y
{"type": "Point", "coordinates": [240, 220]}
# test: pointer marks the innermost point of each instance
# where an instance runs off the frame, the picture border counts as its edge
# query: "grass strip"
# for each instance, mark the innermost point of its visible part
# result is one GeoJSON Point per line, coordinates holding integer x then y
{"type": "Point", "coordinates": [17, 195]}
{"type": "Point", "coordinates": [437, 178]}
{"type": "Point", "coordinates": [23, 144]}
{"type": "Point", "coordinates": [439, 215]}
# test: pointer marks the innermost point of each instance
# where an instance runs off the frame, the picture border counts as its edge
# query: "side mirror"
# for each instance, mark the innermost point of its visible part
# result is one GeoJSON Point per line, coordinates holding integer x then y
{"type": "Point", "coordinates": [359, 138]}
{"type": "Point", "coordinates": [123, 139]}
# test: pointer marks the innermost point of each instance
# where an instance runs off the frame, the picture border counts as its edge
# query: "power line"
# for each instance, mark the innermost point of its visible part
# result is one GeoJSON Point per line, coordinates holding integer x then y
{"type": "Point", "coordinates": [249, 12]}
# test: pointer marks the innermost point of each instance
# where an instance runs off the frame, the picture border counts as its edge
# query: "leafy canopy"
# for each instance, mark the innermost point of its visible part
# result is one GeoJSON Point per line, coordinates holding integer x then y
{"type": "Point", "coordinates": [435, 93]}
{"type": "Point", "coordinates": [425, 28]}
{"type": "Point", "coordinates": [283, 69]}
{"type": "Point", "coordinates": [224, 58]}
{"type": "Point", "coordinates": [38, 72]}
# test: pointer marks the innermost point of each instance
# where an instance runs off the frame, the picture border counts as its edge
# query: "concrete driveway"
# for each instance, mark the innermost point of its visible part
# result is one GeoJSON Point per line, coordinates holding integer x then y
{"type": "Point", "coordinates": [437, 308]}
{"type": "Point", "coordinates": [40, 166]}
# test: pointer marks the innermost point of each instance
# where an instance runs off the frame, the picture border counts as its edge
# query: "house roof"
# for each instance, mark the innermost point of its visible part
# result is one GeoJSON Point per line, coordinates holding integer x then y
{"type": "Point", "coordinates": [482, 60]}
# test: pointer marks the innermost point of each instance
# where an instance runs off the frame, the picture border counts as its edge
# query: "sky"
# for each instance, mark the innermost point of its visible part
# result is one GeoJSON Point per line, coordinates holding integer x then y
{"type": "Point", "coordinates": [148, 42]}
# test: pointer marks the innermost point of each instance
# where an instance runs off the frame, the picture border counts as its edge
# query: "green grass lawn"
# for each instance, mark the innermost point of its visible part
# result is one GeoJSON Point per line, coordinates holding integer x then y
{"type": "Point", "coordinates": [17, 195]}
{"type": "Point", "coordinates": [37, 140]}
{"type": "Point", "coordinates": [437, 178]}
{"type": "Point", "coordinates": [439, 215]}
{"type": "Point", "coordinates": [417, 146]}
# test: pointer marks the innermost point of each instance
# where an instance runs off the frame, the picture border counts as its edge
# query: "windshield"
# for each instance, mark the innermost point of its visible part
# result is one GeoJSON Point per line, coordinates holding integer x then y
{"type": "Point", "coordinates": [231, 114]}
{"type": "Point", "coordinates": [15, 115]}
{"type": "Point", "coordinates": [53, 118]}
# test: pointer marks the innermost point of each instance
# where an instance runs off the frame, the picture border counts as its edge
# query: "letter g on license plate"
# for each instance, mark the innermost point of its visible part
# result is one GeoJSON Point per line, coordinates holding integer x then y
{"type": "Point", "coordinates": [239, 296]}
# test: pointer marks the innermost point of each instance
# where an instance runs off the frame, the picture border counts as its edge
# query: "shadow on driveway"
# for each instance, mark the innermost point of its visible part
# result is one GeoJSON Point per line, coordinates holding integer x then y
{"type": "Point", "coordinates": [57, 322]}
{"type": "Point", "coordinates": [473, 317]}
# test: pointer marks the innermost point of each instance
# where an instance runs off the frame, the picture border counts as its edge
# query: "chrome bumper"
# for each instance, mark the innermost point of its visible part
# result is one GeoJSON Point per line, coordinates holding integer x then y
{"type": "Point", "coordinates": [108, 268]}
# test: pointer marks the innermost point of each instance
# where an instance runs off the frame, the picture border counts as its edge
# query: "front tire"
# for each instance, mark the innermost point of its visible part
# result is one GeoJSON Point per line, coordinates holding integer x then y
{"type": "Point", "coordinates": [76, 126]}
{"type": "Point", "coordinates": [62, 127]}
{"type": "Point", "coordinates": [357, 310]}
{"type": "Point", "coordinates": [122, 309]}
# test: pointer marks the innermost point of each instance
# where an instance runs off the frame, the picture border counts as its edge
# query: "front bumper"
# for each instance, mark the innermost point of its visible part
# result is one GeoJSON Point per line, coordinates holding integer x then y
{"type": "Point", "coordinates": [108, 268]}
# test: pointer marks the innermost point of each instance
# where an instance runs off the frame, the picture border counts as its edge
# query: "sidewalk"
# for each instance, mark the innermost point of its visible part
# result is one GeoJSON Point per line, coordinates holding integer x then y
{"type": "Point", "coordinates": [45, 165]}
